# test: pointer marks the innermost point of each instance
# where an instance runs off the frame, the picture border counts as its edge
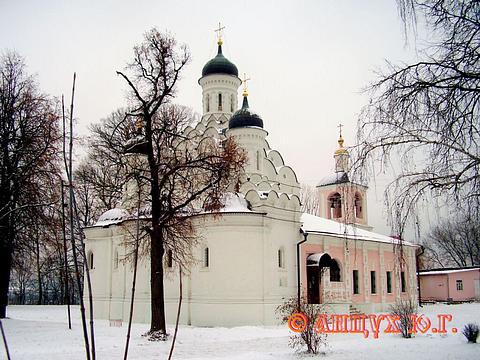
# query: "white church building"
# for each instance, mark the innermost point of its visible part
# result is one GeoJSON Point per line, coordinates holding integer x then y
{"type": "Point", "coordinates": [262, 249]}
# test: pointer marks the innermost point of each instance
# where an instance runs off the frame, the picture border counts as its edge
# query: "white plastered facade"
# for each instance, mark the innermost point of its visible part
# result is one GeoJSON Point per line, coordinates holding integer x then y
{"type": "Point", "coordinates": [245, 280]}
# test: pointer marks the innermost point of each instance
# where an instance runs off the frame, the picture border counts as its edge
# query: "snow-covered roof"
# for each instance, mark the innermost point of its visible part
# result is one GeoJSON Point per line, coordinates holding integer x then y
{"type": "Point", "coordinates": [337, 178]}
{"type": "Point", "coordinates": [315, 224]}
{"type": "Point", "coordinates": [235, 202]}
{"type": "Point", "coordinates": [447, 271]}
{"type": "Point", "coordinates": [112, 216]}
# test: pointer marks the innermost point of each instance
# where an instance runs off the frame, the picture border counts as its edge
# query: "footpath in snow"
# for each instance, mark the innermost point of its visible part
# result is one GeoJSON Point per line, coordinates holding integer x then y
{"type": "Point", "coordinates": [40, 332]}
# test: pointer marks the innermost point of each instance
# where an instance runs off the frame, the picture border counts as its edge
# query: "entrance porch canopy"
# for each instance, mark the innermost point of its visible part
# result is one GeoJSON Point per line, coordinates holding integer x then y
{"type": "Point", "coordinates": [319, 259]}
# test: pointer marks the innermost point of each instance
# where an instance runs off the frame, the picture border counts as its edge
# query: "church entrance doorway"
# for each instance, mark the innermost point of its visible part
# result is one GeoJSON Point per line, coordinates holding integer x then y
{"type": "Point", "coordinates": [316, 265]}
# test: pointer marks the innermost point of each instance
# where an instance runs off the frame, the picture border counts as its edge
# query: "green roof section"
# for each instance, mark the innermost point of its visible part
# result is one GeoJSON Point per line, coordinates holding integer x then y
{"type": "Point", "coordinates": [245, 117]}
{"type": "Point", "coordinates": [220, 65]}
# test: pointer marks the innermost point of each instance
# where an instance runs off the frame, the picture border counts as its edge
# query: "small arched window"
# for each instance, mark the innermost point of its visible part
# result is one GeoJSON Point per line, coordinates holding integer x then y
{"type": "Point", "coordinates": [334, 271]}
{"type": "Point", "coordinates": [207, 101]}
{"type": "Point", "coordinates": [220, 102]}
{"type": "Point", "coordinates": [90, 260]}
{"type": "Point", "coordinates": [232, 104]}
{"type": "Point", "coordinates": [206, 257]}
{"type": "Point", "coordinates": [115, 259]}
{"type": "Point", "coordinates": [281, 258]}
{"type": "Point", "coordinates": [335, 206]}
{"type": "Point", "coordinates": [358, 206]}
{"type": "Point", "coordinates": [169, 258]}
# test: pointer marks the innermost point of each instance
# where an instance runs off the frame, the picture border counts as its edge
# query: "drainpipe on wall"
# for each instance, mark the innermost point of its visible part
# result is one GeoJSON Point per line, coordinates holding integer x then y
{"type": "Point", "coordinates": [305, 235]}
{"type": "Point", "coordinates": [417, 256]}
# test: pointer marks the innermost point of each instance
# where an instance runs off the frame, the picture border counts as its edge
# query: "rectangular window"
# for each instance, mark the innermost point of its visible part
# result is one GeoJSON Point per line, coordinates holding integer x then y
{"type": "Point", "coordinates": [169, 258]}
{"type": "Point", "coordinates": [356, 290]}
{"type": "Point", "coordinates": [115, 259]}
{"type": "Point", "coordinates": [389, 282]}
{"type": "Point", "coordinates": [90, 260]}
{"type": "Point", "coordinates": [402, 280]}
{"type": "Point", "coordinates": [206, 259]}
{"type": "Point", "coordinates": [373, 282]}
{"type": "Point", "coordinates": [459, 285]}
{"type": "Point", "coordinates": [281, 260]}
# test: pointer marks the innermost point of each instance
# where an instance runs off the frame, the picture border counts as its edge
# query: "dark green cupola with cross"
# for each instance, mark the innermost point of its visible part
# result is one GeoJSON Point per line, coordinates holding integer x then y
{"type": "Point", "coordinates": [245, 117]}
{"type": "Point", "coordinates": [220, 64]}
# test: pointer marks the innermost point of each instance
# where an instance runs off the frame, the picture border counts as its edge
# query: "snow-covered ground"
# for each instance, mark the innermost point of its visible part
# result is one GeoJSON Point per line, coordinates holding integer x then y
{"type": "Point", "coordinates": [40, 332]}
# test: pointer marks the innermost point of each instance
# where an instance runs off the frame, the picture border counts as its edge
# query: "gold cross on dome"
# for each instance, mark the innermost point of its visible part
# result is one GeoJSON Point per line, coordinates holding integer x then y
{"type": "Point", "coordinates": [244, 81]}
{"type": "Point", "coordinates": [219, 33]}
{"type": "Point", "coordinates": [340, 127]}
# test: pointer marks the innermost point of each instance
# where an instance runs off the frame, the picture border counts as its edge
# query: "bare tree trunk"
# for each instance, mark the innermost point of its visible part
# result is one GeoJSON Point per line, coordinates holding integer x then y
{"type": "Point", "coordinates": [134, 280]}
{"type": "Point", "coordinates": [74, 212]}
{"type": "Point", "coordinates": [178, 311]}
{"type": "Point", "coordinates": [68, 167]}
{"type": "Point", "coordinates": [39, 275]}
{"type": "Point", "coordinates": [4, 340]}
{"type": "Point", "coordinates": [65, 260]}
{"type": "Point", "coordinates": [158, 326]}
{"type": "Point", "coordinates": [88, 279]}
{"type": "Point", "coordinates": [6, 255]}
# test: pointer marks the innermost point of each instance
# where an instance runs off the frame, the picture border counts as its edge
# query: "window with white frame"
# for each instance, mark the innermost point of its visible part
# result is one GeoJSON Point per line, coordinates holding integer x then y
{"type": "Point", "coordinates": [460, 285]}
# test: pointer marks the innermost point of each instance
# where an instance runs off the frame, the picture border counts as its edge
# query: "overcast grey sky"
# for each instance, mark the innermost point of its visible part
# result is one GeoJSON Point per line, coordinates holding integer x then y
{"type": "Point", "coordinates": [308, 60]}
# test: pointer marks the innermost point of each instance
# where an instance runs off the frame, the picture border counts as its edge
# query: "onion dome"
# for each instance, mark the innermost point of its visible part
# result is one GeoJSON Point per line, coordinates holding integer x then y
{"type": "Point", "coordinates": [220, 65]}
{"type": "Point", "coordinates": [341, 157]}
{"type": "Point", "coordinates": [341, 149]}
{"type": "Point", "coordinates": [245, 117]}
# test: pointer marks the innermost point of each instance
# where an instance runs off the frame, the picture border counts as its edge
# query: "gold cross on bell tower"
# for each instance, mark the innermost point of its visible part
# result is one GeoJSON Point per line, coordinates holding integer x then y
{"type": "Point", "coordinates": [244, 81]}
{"type": "Point", "coordinates": [340, 127]}
{"type": "Point", "coordinates": [340, 139]}
{"type": "Point", "coordinates": [219, 33]}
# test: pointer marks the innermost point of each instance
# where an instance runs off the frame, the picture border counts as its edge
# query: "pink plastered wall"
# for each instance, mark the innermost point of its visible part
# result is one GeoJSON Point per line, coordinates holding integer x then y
{"type": "Point", "coordinates": [347, 192]}
{"type": "Point", "coordinates": [389, 258]}
{"type": "Point", "coordinates": [440, 287]}
{"type": "Point", "coordinates": [356, 263]}
{"type": "Point", "coordinates": [434, 287]}
{"type": "Point", "coordinates": [374, 265]}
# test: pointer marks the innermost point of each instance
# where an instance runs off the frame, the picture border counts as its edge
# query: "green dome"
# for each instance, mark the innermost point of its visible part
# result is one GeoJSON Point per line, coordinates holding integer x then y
{"type": "Point", "coordinates": [220, 65]}
{"type": "Point", "coordinates": [245, 117]}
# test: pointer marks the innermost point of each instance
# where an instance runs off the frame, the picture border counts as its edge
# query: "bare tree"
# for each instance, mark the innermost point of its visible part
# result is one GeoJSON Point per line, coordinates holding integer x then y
{"type": "Point", "coordinates": [309, 199]}
{"type": "Point", "coordinates": [405, 311]}
{"type": "Point", "coordinates": [28, 148]}
{"type": "Point", "coordinates": [185, 172]}
{"type": "Point", "coordinates": [427, 113]}
{"type": "Point", "coordinates": [100, 177]}
{"type": "Point", "coordinates": [455, 242]}
{"type": "Point", "coordinates": [307, 332]}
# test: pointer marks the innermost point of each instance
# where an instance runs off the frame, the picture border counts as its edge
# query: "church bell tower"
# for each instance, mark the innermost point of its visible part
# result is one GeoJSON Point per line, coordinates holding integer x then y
{"type": "Point", "coordinates": [341, 199]}
{"type": "Point", "coordinates": [220, 83]}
